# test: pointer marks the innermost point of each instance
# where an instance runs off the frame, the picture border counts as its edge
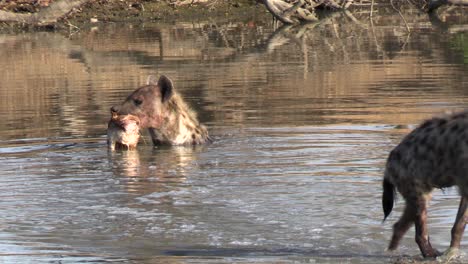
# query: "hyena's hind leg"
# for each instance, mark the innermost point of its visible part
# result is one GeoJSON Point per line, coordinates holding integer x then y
{"type": "Point", "coordinates": [415, 212]}
{"type": "Point", "coordinates": [402, 225]}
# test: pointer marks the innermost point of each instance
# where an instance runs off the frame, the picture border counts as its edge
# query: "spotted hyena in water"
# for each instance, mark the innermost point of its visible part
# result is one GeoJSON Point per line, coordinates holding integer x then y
{"type": "Point", "coordinates": [434, 155]}
{"type": "Point", "coordinates": [123, 131]}
{"type": "Point", "coordinates": [163, 111]}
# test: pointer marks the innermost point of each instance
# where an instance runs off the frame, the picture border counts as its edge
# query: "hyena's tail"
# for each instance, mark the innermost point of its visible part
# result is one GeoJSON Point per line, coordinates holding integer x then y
{"type": "Point", "coordinates": [388, 196]}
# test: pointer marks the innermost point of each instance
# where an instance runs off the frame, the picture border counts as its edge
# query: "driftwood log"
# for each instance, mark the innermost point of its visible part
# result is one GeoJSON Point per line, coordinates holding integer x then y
{"type": "Point", "coordinates": [46, 16]}
{"type": "Point", "coordinates": [303, 11]}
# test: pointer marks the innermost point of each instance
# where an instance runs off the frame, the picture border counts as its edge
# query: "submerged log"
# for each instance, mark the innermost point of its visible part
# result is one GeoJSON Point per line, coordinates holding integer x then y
{"type": "Point", "coordinates": [46, 16]}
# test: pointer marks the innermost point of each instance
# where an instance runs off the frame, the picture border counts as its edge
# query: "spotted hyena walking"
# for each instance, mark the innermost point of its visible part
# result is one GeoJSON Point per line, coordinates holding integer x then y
{"type": "Point", "coordinates": [163, 111]}
{"type": "Point", "coordinates": [434, 155]}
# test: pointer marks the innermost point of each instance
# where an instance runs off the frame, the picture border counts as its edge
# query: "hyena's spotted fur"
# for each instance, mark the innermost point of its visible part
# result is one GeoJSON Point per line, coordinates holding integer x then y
{"type": "Point", "coordinates": [180, 125]}
{"type": "Point", "coordinates": [163, 111]}
{"type": "Point", "coordinates": [434, 155]}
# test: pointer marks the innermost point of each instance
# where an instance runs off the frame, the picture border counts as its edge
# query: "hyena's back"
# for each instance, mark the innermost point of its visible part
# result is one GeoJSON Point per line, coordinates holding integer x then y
{"type": "Point", "coordinates": [434, 155]}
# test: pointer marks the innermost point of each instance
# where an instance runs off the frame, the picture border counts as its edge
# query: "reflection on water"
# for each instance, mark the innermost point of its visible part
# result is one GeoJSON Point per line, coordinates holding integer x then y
{"type": "Point", "coordinates": [303, 118]}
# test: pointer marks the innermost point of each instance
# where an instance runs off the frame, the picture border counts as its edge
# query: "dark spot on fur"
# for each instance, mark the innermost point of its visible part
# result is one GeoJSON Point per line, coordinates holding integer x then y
{"type": "Point", "coordinates": [430, 147]}
{"type": "Point", "coordinates": [440, 152]}
{"type": "Point", "coordinates": [423, 140]}
{"type": "Point", "coordinates": [404, 164]}
{"type": "Point", "coordinates": [461, 129]}
{"type": "Point", "coordinates": [425, 124]}
{"type": "Point", "coordinates": [394, 156]}
{"type": "Point", "coordinates": [454, 128]}
{"type": "Point", "coordinates": [441, 122]}
{"type": "Point", "coordinates": [193, 136]}
{"type": "Point", "coordinates": [463, 137]}
{"type": "Point", "coordinates": [421, 154]}
{"type": "Point", "coordinates": [428, 129]}
{"type": "Point", "coordinates": [453, 153]}
{"type": "Point", "coordinates": [442, 130]}
{"type": "Point", "coordinates": [407, 144]}
{"type": "Point", "coordinates": [393, 172]}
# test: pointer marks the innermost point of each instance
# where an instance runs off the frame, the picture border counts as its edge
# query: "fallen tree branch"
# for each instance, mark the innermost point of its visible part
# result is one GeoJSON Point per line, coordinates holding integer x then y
{"type": "Point", "coordinates": [276, 8]}
{"type": "Point", "coordinates": [188, 2]}
{"type": "Point", "coordinates": [291, 10]}
{"type": "Point", "coordinates": [332, 4]}
{"type": "Point", "coordinates": [401, 15]}
{"type": "Point", "coordinates": [45, 17]}
{"type": "Point", "coordinates": [296, 11]}
{"type": "Point", "coordinates": [347, 4]}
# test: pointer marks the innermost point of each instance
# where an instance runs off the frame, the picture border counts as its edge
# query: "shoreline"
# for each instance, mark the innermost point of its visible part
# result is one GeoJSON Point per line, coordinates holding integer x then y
{"type": "Point", "coordinates": [95, 12]}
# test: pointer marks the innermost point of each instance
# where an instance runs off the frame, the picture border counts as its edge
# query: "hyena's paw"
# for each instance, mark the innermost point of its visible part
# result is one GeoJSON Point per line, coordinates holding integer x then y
{"type": "Point", "coordinates": [450, 254]}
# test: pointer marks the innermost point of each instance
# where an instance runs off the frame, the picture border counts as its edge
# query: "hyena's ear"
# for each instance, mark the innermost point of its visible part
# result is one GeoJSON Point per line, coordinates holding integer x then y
{"type": "Point", "coordinates": [166, 88]}
{"type": "Point", "coordinates": [151, 80]}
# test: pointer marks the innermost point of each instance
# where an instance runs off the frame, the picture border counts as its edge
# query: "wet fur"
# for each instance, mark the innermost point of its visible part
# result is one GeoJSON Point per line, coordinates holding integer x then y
{"type": "Point", "coordinates": [180, 125]}
{"type": "Point", "coordinates": [434, 155]}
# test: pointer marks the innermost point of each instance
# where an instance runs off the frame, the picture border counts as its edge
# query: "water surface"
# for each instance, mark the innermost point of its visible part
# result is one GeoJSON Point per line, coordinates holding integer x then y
{"type": "Point", "coordinates": [303, 119]}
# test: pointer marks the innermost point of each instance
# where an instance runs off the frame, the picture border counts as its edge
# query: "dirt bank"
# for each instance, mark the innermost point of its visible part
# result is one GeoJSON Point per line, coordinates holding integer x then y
{"type": "Point", "coordinates": [133, 11]}
{"type": "Point", "coordinates": [143, 11]}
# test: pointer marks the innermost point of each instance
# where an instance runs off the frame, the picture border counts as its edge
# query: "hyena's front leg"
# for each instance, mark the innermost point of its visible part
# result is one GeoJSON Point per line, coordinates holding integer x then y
{"type": "Point", "coordinates": [460, 223]}
{"type": "Point", "coordinates": [422, 232]}
{"type": "Point", "coordinates": [457, 232]}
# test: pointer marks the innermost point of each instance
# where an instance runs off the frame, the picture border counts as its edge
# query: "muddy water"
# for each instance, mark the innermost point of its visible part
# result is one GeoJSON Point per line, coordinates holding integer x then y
{"type": "Point", "coordinates": [303, 119]}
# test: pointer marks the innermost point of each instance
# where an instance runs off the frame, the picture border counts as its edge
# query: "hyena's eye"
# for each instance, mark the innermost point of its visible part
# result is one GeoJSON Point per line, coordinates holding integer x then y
{"type": "Point", "coordinates": [137, 102]}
